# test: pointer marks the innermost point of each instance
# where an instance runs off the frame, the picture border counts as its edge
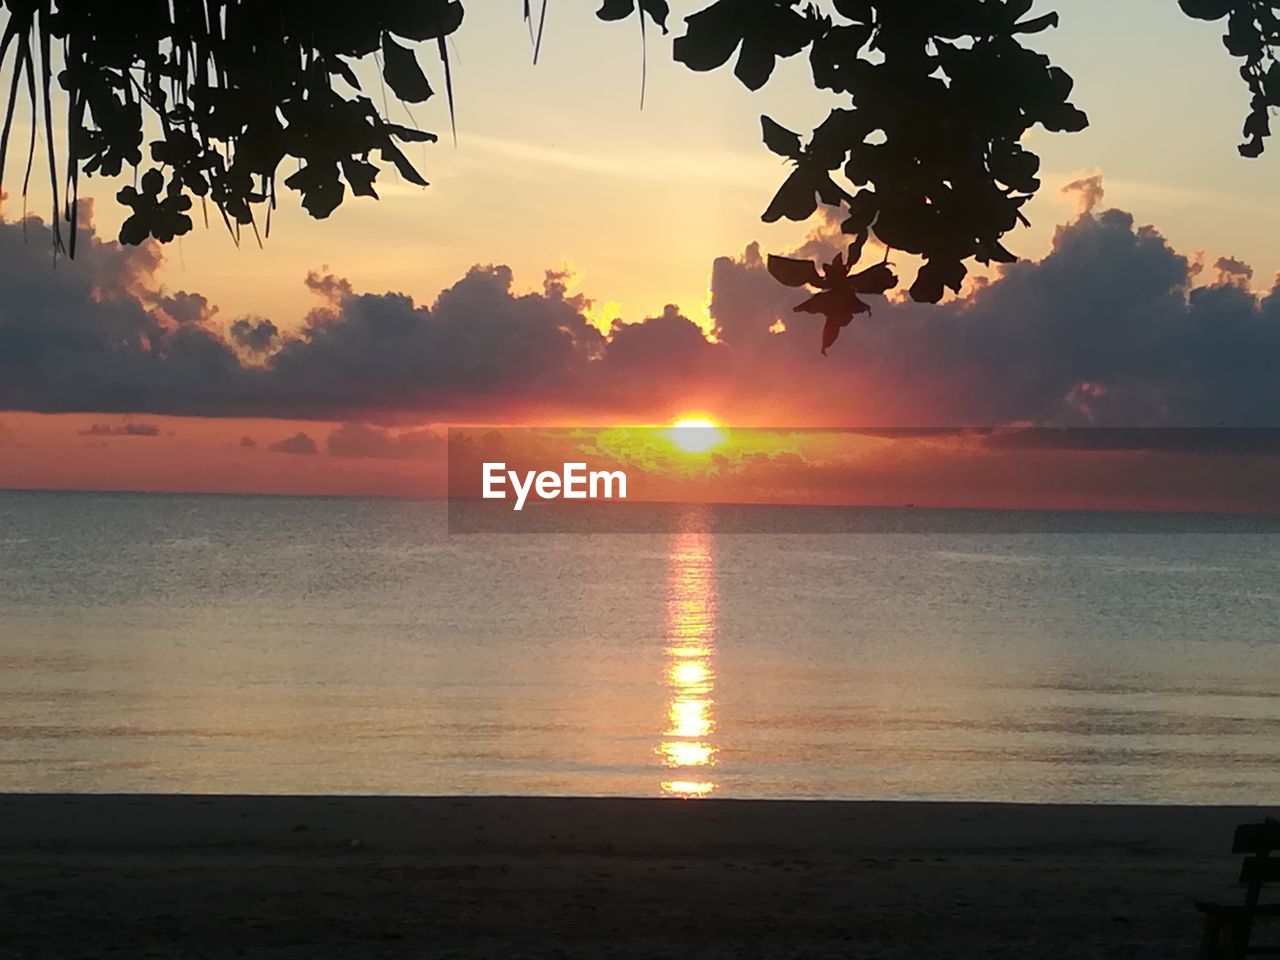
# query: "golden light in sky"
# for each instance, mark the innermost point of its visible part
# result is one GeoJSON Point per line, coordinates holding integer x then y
{"type": "Point", "coordinates": [696, 435]}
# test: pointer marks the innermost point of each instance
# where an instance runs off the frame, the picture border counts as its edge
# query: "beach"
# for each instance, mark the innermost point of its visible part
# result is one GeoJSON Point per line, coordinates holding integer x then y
{"type": "Point", "coordinates": [338, 876]}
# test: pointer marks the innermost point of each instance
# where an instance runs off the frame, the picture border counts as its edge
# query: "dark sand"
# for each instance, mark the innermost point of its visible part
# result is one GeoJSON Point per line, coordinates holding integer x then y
{"type": "Point", "coordinates": [321, 877]}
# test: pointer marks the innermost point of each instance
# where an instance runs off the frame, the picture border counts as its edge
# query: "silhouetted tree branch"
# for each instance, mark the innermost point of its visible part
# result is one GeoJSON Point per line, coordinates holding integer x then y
{"type": "Point", "coordinates": [1253, 35]}
{"type": "Point", "coordinates": [209, 97]}
{"type": "Point", "coordinates": [233, 86]}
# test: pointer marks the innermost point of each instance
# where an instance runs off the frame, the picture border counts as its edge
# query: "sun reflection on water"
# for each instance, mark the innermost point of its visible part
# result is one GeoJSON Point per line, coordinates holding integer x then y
{"type": "Point", "coordinates": [687, 749]}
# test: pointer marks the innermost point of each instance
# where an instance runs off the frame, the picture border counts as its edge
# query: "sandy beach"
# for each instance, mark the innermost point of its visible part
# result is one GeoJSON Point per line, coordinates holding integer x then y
{"type": "Point", "coordinates": [191, 876]}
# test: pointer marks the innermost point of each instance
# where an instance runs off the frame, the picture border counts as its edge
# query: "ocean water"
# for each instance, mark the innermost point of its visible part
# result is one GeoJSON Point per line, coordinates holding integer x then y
{"type": "Point", "coordinates": [278, 645]}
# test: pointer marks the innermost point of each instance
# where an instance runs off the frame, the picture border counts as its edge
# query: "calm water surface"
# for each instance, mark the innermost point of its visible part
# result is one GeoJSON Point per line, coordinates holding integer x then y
{"type": "Point", "coordinates": [238, 644]}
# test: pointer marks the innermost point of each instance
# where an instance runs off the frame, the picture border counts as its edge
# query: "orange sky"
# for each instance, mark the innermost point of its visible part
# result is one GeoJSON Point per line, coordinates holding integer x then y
{"type": "Point", "coordinates": [199, 455]}
{"type": "Point", "coordinates": [882, 468]}
{"type": "Point", "coordinates": [383, 331]}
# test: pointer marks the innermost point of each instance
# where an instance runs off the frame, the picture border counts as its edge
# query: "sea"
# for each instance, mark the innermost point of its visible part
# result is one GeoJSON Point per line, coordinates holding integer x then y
{"type": "Point", "coordinates": [239, 644]}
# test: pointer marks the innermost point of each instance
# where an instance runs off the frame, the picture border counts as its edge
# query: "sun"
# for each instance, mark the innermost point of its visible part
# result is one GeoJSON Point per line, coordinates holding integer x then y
{"type": "Point", "coordinates": [696, 434]}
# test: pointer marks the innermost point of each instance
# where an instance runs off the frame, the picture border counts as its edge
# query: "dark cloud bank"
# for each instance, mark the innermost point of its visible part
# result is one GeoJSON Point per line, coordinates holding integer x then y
{"type": "Point", "coordinates": [1106, 330]}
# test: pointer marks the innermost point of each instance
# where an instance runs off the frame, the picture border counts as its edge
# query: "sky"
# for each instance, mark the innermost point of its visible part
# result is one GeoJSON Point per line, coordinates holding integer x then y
{"type": "Point", "coordinates": [327, 360]}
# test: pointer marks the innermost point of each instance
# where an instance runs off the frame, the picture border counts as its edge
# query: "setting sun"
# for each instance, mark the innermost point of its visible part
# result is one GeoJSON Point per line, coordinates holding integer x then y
{"type": "Point", "coordinates": [696, 435]}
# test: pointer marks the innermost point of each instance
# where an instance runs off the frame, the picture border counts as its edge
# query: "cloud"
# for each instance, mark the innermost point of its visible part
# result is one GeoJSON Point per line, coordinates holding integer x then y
{"type": "Point", "coordinates": [1109, 328]}
{"type": "Point", "coordinates": [254, 334]}
{"type": "Point", "coordinates": [248, 443]}
{"type": "Point", "coordinates": [6, 436]}
{"type": "Point", "coordinates": [1106, 329]}
{"type": "Point", "coordinates": [478, 341]}
{"type": "Point", "coordinates": [1198, 440]}
{"type": "Point", "coordinates": [368, 441]}
{"type": "Point", "coordinates": [121, 430]}
{"type": "Point", "coordinates": [299, 443]}
{"type": "Point", "coordinates": [1231, 270]}
{"type": "Point", "coordinates": [1089, 192]}
{"type": "Point", "coordinates": [186, 308]}
{"type": "Point", "coordinates": [99, 334]}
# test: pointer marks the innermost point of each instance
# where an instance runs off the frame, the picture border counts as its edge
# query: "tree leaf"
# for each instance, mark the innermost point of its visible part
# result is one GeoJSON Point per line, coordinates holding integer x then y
{"type": "Point", "coordinates": [793, 273]}
{"type": "Point", "coordinates": [424, 19]}
{"type": "Point", "coordinates": [830, 333]}
{"type": "Point", "coordinates": [1016, 168]}
{"type": "Point", "coordinates": [360, 174]}
{"type": "Point", "coordinates": [857, 10]}
{"type": "Point", "coordinates": [616, 9]}
{"type": "Point", "coordinates": [755, 63]}
{"type": "Point", "coordinates": [1064, 118]}
{"type": "Point", "coordinates": [712, 36]}
{"type": "Point", "coordinates": [134, 230]}
{"type": "Point", "coordinates": [839, 307]}
{"type": "Point", "coordinates": [779, 139]}
{"type": "Point", "coordinates": [1205, 9]}
{"type": "Point", "coordinates": [854, 253]}
{"type": "Point", "coordinates": [934, 275]}
{"type": "Point", "coordinates": [795, 199]}
{"type": "Point", "coordinates": [402, 73]}
{"type": "Point", "coordinates": [875, 279]}
{"type": "Point", "coordinates": [863, 210]}
{"type": "Point", "coordinates": [409, 134]}
{"type": "Point", "coordinates": [1036, 24]}
{"type": "Point", "coordinates": [321, 190]}
{"type": "Point", "coordinates": [764, 29]}
{"type": "Point", "coordinates": [407, 170]}
{"type": "Point", "coordinates": [658, 11]}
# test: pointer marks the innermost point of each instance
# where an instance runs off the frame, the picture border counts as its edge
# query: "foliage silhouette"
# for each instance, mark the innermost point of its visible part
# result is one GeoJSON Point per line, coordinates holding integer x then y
{"type": "Point", "coordinates": [231, 88]}
{"type": "Point", "coordinates": [1253, 35]}
{"type": "Point", "coordinates": [207, 98]}
{"type": "Point", "coordinates": [838, 300]}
